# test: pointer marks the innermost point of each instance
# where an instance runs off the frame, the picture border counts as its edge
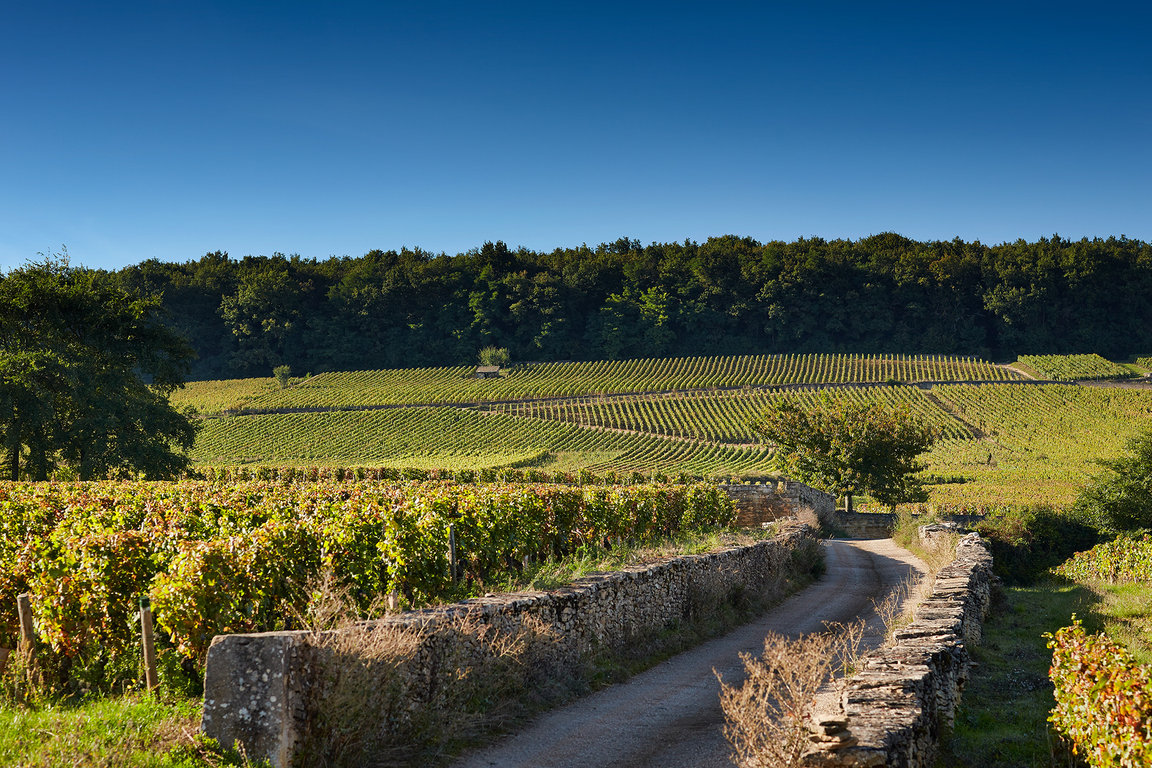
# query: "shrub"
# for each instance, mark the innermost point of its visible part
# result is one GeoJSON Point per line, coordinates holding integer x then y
{"type": "Point", "coordinates": [1027, 542]}
{"type": "Point", "coordinates": [1103, 698]}
{"type": "Point", "coordinates": [1121, 498]}
{"type": "Point", "coordinates": [1124, 559]}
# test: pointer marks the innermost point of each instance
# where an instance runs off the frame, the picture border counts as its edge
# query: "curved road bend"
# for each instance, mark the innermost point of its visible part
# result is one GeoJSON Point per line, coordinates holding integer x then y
{"type": "Point", "coordinates": [669, 716]}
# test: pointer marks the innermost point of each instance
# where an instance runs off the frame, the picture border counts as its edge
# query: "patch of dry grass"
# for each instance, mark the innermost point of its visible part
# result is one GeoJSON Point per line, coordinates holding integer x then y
{"type": "Point", "coordinates": [766, 717]}
{"type": "Point", "coordinates": [368, 706]}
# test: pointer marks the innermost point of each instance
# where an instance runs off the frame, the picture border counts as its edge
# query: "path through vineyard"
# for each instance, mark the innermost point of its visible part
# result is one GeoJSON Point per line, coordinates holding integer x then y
{"type": "Point", "coordinates": [669, 716]}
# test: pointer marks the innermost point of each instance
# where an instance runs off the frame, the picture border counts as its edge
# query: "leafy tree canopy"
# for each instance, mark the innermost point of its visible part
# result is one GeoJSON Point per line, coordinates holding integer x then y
{"type": "Point", "coordinates": [847, 448]}
{"type": "Point", "coordinates": [85, 373]}
{"type": "Point", "coordinates": [497, 356]}
{"type": "Point", "coordinates": [1120, 499]}
{"type": "Point", "coordinates": [727, 295]}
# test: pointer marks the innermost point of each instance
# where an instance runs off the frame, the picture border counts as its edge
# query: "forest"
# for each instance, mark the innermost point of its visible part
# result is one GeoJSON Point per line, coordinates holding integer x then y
{"type": "Point", "coordinates": [727, 295]}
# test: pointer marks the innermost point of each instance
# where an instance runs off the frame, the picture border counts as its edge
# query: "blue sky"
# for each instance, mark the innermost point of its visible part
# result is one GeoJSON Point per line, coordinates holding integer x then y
{"type": "Point", "coordinates": [170, 128]}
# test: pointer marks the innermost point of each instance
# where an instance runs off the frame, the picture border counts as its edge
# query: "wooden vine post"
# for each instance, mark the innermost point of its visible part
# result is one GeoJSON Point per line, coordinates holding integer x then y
{"type": "Point", "coordinates": [149, 646]}
{"type": "Point", "coordinates": [452, 562]}
{"type": "Point", "coordinates": [27, 634]}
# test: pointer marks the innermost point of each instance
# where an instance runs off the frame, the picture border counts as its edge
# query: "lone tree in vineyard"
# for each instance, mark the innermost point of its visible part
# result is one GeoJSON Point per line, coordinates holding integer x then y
{"type": "Point", "coordinates": [849, 448]}
{"type": "Point", "coordinates": [85, 374]}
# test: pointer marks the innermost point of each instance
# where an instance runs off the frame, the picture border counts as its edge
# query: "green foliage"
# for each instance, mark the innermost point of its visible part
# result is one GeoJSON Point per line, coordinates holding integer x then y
{"type": "Point", "coordinates": [1121, 560]}
{"type": "Point", "coordinates": [283, 375]}
{"type": "Point", "coordinates": [1075, 367]}
{"type": "Point", "coordinates": [1121, 498]}
{"type": "Point", "coordinates": [1103, 698]}
{"type": "Point", "coordinates": [236, 557]}
{"type": "Point", "coordinates": [621, 299]}
{"type": "Point", "coordinates": [1027, 541]}
{"type": "Point", "coordinates": [85, 372]}
{"type": "Point", "coordinates": [844, 447]}
{"type": "Point", "coordinates": [497, 356]}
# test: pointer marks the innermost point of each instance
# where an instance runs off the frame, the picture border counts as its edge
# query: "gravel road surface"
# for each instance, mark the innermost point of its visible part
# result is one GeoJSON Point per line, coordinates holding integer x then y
{"type": "Point", "coordinates": [669, 716]}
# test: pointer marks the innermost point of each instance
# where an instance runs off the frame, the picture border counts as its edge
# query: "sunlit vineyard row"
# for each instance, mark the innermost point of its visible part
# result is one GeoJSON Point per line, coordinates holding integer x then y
{"type": "Point", "coordinates": [1056, 420]}
{"type": "Point", "coordinates": [455, 438]}
{"type": "Point", "coordinates": [221, 395]}
{"type": "Point", "coordinates": [434, 386]}
{"type": "Point", "coordinates": [1042, 441]}
{"type": "Point", "coordinates": [721, 416]}
{"type": "Point", "coordinates": [235, 557]}
{"type": "Point", "coordinates": [1074, 367]}
{"type": "Point", "coordinates": [1144, 362]}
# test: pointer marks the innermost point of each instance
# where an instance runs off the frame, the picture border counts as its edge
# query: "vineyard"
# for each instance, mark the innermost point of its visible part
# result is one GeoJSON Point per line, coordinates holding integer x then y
{"type": "Point", "coordinates": [456, 438]}
{"type": "Point", "coordinates": [438, 386]}
{"type": "Point", "coordinates": [1074, 367]}
{"type": "Point", "coordinates": [217, 396]}
{"type": "Point", "coordinates": [237, 557]}
{"type": "Point", "coordinates": [1041, 441]}
{"type": "Point", "coordinates": [1004, 441]}
{"type": "Point", "coordinates": [720, 416]}
{"type": "Point", "coordinates": [1126, 559]}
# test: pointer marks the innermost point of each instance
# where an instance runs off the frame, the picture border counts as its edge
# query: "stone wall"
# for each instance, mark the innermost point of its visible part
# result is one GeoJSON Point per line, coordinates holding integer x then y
{"type": "Point", "coordinates": [256, 686]}
{"type": "Point", "coordinates": [864, 525]}
{"type": "Point", "coordinates": [762, 503]}
{"type": "Point", "coordinates": [879, 525]}
{"type": "Point", "coordinates": [892, 711]}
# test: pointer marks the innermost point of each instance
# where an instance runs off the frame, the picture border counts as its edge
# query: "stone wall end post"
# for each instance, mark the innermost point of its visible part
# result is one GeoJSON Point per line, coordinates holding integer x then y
{"type": "Point", "coordinates": [254, 693]}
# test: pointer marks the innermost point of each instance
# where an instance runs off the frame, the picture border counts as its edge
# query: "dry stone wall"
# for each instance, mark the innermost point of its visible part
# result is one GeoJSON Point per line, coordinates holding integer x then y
{"type": "Point", "coordinates": [892, 711]}
{"type": "Point", "coordinates": [761, 503]}
{"type": "Point", "coordinates": [257, 685]}
{"type": "Point", "coordinates": [879, 525]}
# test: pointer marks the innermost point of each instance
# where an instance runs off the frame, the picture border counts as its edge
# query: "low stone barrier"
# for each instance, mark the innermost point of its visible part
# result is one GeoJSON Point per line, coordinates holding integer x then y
{"type": "Point", "coordinates": [761, 503]}
{"type": "Point", "coordinates": [891, 712]}
{"type": "Point", "coordinates": [879, 525]}
{"type": "Point", "coordinates": [865, 525]}
{"type": "Point", "coordinates": [257, 687]}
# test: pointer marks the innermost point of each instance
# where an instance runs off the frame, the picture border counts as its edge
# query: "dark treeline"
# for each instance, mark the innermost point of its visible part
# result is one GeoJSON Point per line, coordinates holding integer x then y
{"type": "Point", "coordinates": [728, 295]}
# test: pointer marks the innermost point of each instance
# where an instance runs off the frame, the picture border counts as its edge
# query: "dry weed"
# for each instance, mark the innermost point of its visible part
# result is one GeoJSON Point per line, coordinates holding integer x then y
{"type": "Point", "coordinates": [940, 553]}
{"type": "Point", "coordinates": [848, 646]}
{"type": "Point", "coordinates": [898, 608]}
{"type": "Point", "coordinates": [767, 716]}
{"type": "Point", "coordinates": [807, 515]}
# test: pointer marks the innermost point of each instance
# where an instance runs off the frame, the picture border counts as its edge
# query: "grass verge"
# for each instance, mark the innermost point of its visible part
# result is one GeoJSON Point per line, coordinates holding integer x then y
{"type": "Point", "coordinates": [129, 731]}
{"type": "Point", "coordinates": [1003, 718]}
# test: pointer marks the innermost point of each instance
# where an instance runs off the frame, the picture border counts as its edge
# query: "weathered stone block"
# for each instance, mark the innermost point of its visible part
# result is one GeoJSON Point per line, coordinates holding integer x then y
{"type": "Point", "coordinates": [253, 695]}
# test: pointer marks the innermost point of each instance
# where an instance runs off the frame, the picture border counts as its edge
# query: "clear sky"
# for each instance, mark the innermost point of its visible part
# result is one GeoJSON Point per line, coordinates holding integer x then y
{"type": "Point", "coordinates": [169, 128]}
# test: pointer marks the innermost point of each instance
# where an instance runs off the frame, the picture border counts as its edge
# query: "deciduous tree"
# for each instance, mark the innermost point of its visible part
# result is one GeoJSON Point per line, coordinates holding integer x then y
{"type": "Point", "coordinates": [847, 448]}
{"type": "Point", "coordinates": [85, 374]}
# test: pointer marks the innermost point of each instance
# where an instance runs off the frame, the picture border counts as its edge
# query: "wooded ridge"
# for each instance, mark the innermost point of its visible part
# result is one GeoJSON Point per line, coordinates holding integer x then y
{"type": "Point", "coordinates": [727, 295]}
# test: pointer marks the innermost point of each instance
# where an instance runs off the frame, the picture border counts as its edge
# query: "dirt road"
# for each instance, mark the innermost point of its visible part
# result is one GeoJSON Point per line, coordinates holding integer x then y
{"type": "Point", "coordinates": [669, 716]}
